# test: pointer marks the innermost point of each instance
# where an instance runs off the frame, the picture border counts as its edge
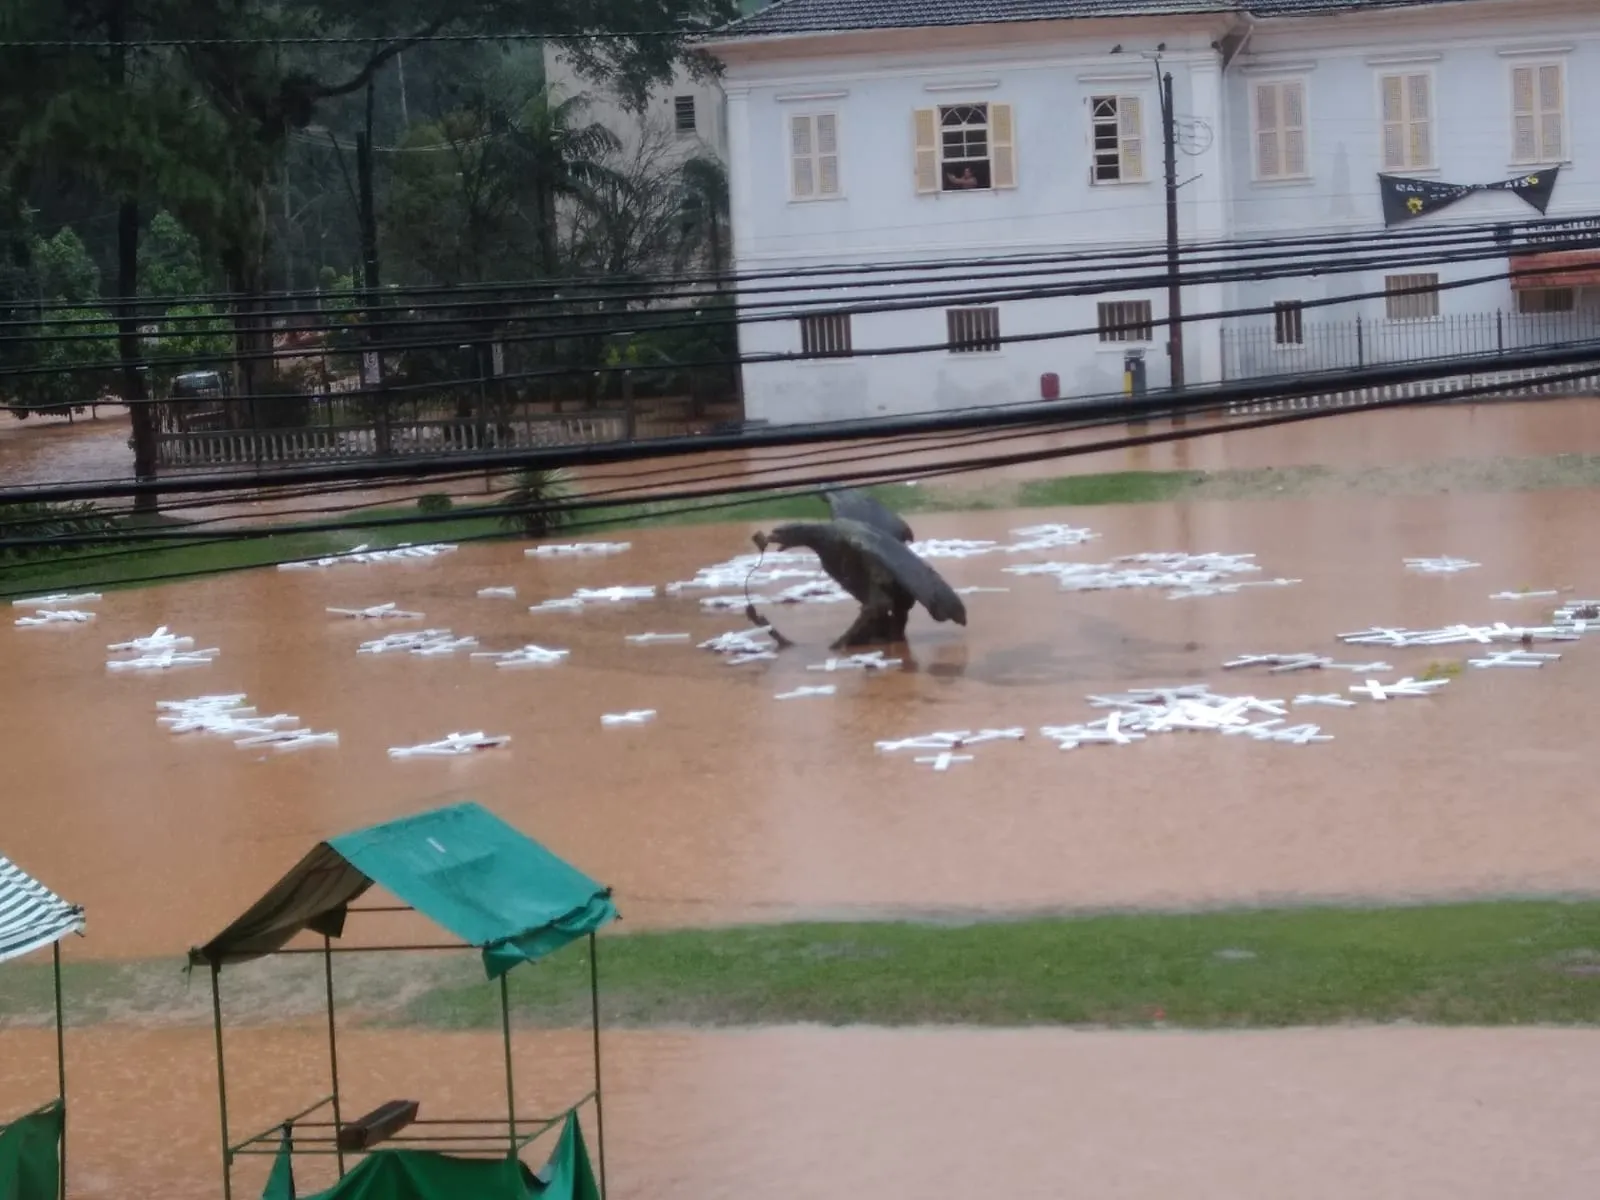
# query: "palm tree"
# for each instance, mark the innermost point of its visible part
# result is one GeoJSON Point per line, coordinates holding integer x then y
{"type": "Point", "coordinates": [564, 160]}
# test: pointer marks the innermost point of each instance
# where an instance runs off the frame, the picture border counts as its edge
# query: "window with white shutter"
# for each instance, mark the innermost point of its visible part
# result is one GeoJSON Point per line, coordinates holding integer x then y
{"type": "Point", "coordinates": [1280, 117]}
{"type": "Point", "coordinates": [1407, 121]}
{"type": "Point", "coordinates": [1538, 113]}
{"type": "Point", "coordinates": [1117, 127]}
{"type": "Point", "coordinates": [965, 147]}
{"type": "Point", "coordinates": [814, 156]}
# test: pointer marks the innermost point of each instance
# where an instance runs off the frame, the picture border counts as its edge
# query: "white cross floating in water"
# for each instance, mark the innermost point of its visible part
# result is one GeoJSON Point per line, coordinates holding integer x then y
{"type": "Point", "coordinates": [54, 599]}
{"type": "Point", "coordinates": [1522, 595]}
{"type": "Point", "coordinates": [1513, 658]}
{"type": "Point", "coordinates": [55, 616]}
{"type": "Point", "coordinates": [1332, 700]}
{"type": "Point", "coordinates": [826, 689]}
{"type": "Point", "coordinates": [567, 604]}
{"type": "Point", "coordinates": [450, 745]}
{"type": "Point", "coordinates": [645, 639]}
{"type": "Point", "coordinates": [529, 655]}
{"type": "Point", "coordinates": [1299, 735]}
{"type": "Point", "coordinates": [614, 594]}
{"type": "Point", "coordinates": [927, 741]}
{"type": "Point", "coordinates": [992, 735]}
{"type": "Point", "coordinates": [1364, 667]}
{"type": "Point", "coordinates": [942, 760]}
{"type": "Point", "coordinates": [376, 612]}
{"type": "Point", "coordinates": [636, 717]}
{"type": "Point", "coordinates": [497, 593]}
{"type": "Point", "coordinates": [1405, 687]}
{"type": "Point", "coordinates": [1440, 566]}
{"type": "Point", "coordinates": [873, 661]}
{"type": "Point", "coordinates": [975, 591]}
{"type": "Point", "coordinates": [1261, 730]}
{"type": "Point", "coordinates": [750, 656]}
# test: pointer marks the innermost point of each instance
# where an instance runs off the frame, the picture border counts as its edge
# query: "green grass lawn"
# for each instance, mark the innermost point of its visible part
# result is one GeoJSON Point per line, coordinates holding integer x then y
{"type": "Point", "coordinates": [1489, 963]}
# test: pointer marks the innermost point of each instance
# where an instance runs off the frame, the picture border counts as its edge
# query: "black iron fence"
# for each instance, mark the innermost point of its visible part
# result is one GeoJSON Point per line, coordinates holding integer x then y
{"type": "Point", "coordinates": [1290, 345]}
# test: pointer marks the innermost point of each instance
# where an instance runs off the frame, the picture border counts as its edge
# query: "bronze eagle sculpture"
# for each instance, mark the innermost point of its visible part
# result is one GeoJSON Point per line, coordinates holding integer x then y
{"type": "Point", "coordinates": [864, 550]}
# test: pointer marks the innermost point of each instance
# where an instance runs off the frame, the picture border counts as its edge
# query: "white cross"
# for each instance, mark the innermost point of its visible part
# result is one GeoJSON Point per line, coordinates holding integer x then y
{"type": "Point", "coordinates": [570, 604]}
{"type": "Point", "coordinates": [1405, 687]}
{"type": "Point", "coordinates": [751, 656]}
{"type": "Point", "coordinates": [992, 735]}
{"type": "Point", "coordinates": [942, 760]}
{"type": "Point", "coordinates": [1332, 700]}
{"type": "Point", "coordinates": [1521, 595]}
{"type": "Point", "coordinates": [927, 741]}
{"type": "Point", "coordinates": [497, 593]}
{"type": "Point", "coordinates": [55, 598]}
{"type": "Point", "coordinates": [1513, 658]}
{"type": "Point", "coordinates": [614, 593]}
{"type": "Point", "coordinates": [377, 611]}
{"type": "Point", "coordinates": [55, 616]}
{"type": "Point", "coordinates": [643, 639]}
{"type": "Point", "coordinates": [529, 655]}
{"type": "Point", "coordinates": [799, 692]}
{"type": "Point", "coordinates": [1261, 729]}
{"type": "Point", "coordinates": [1372, 666]}
{"type": "Point", "coordinates": [636, 717]}
{"type": "Point", "coordinates": [1299, 735]}
{"type": "Point", "coordinates": [974, 591]}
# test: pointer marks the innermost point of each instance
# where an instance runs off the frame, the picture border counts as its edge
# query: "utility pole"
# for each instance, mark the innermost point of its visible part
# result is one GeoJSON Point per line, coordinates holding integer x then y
{"type": "Point", "coordinates": [372, 360]}
{"type": "Point", "coordinates": [140, 415]}
{"type": "Point", "coordinates": [1169, 136]}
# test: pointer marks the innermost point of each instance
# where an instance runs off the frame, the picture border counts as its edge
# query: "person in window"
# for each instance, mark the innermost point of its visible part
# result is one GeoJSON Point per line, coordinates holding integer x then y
{"type": "Point", "coordinates": [962, 179]}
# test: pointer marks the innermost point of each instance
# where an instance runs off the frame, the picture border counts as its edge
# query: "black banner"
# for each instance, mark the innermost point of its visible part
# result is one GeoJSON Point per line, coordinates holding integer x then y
{"type": "Point", "coordinates": [1406, 199]}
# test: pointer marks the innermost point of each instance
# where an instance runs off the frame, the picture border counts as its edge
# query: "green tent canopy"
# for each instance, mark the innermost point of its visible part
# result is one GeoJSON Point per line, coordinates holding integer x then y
{"type": "Point", "coordinates": [461, 866]}
{"type": "Point", "coordinates": [430, 1175]}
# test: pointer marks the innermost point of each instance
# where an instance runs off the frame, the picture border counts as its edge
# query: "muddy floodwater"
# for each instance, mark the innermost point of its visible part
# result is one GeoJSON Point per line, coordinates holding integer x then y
{"type": "Point", "coordinates": [808, 1114]}
{"type": "Point", "coordinates": [734, 805]}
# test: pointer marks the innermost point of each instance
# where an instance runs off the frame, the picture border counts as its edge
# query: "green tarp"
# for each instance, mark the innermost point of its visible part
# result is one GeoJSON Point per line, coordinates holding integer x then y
{"type": "Point", "coordinates": [30, 1155]}
{"type": "Point", "coordinates": [461, 867]}
{"type": "Point", "coordinates": [429, 1175]}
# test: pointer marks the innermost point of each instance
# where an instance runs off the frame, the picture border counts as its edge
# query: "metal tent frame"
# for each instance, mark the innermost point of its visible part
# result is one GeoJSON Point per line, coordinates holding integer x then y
{"type": "Point", "coordinates": [68, 918]}
{"type": "Point", "coordinates": [476, 878]}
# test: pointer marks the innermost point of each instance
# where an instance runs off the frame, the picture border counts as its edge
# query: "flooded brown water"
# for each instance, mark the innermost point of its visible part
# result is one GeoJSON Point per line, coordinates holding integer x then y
{"type": "Point", "coordinates": [37, 453]}
{"type": "Point", "coordinates": [803, 1114]}
{"type": "Point", "coordinates": [734, 806]}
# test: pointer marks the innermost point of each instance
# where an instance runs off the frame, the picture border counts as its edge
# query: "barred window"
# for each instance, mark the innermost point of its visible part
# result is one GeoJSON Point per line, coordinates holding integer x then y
{"type": "Point", "coordinates": [825, 333]}
{"type": "Point", "coordinates": [1288, 327]}
{"type": "Point", "coordinates": [972, 330]}
{"type": "Point", "coordinates": [1403, 304]}
{"type": "Point", "coordinates": [1126, 321]}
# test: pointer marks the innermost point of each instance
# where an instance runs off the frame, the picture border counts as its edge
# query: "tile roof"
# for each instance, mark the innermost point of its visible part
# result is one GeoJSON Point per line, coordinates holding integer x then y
{"type": "Point", "coordinates": [837, 16]}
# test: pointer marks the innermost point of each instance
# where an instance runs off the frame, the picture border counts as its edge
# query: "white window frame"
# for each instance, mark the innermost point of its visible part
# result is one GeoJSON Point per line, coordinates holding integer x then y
{"type": "Point", "coordinates": [1404, 72]}
{"type": "Point", "coordinates": [815, 157]}
{"type": "Point", "coordinates": [1278, 81]}
{"type": "Point", "coordinates": [1122, 179]}
{"type": "Point", "coordinates": [988, 143]}
{"type": "Point", "coordinates": [1540, 159]}
{"type": "Point", "coordinates": [956, 346]}
{"type": "Point", "coordinates": [1414, 297]}
{"type": "Point", "coordinates": [1110, 331]}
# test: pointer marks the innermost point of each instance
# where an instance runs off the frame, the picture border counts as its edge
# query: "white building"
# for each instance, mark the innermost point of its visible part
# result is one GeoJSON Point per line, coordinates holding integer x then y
{"type": "Point", "coordinates": [688, 113]}
{"type": "Point", "coordinates": [899, 132]}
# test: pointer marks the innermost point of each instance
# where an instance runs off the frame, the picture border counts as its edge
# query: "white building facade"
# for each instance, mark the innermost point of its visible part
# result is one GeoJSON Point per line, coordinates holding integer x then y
{"type": "Point", "coordinates": [862, 134]}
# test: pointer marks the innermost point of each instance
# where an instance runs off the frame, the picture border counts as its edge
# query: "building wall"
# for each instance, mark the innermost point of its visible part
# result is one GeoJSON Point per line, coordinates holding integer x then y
{"type": "Point", "coordinates": [872, 84]}
{"type": "Point", "coordinates": [709, 133]}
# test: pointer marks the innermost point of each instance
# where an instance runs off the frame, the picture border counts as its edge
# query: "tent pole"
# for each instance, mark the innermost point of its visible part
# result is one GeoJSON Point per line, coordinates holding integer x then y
{"type": "Point", "coordinates": [222, 1080]}
{"type": "Point", "coordinates": [594, 1011]}
{"type": "Point", "coordinates": [61, 1068]}
{"type": "Point", "coordinates": [505, 1033]}
{"type": "Point", "coordinates": [333, 1050]}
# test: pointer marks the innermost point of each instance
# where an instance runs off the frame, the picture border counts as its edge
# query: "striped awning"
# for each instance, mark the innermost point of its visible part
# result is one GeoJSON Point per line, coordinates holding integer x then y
{"type": "Point", "coordinates": [31, 915]}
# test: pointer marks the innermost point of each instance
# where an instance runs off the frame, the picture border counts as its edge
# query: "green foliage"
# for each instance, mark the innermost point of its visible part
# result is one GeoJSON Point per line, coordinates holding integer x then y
{"type": "Point", "coordinates": [529, 504]}
{"type": "Point", "coordinates": [171, 260]}
{"type": "Point", "coordinates": [41, 522]}
{"type": "Point", "coordinates": [434, 503]}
